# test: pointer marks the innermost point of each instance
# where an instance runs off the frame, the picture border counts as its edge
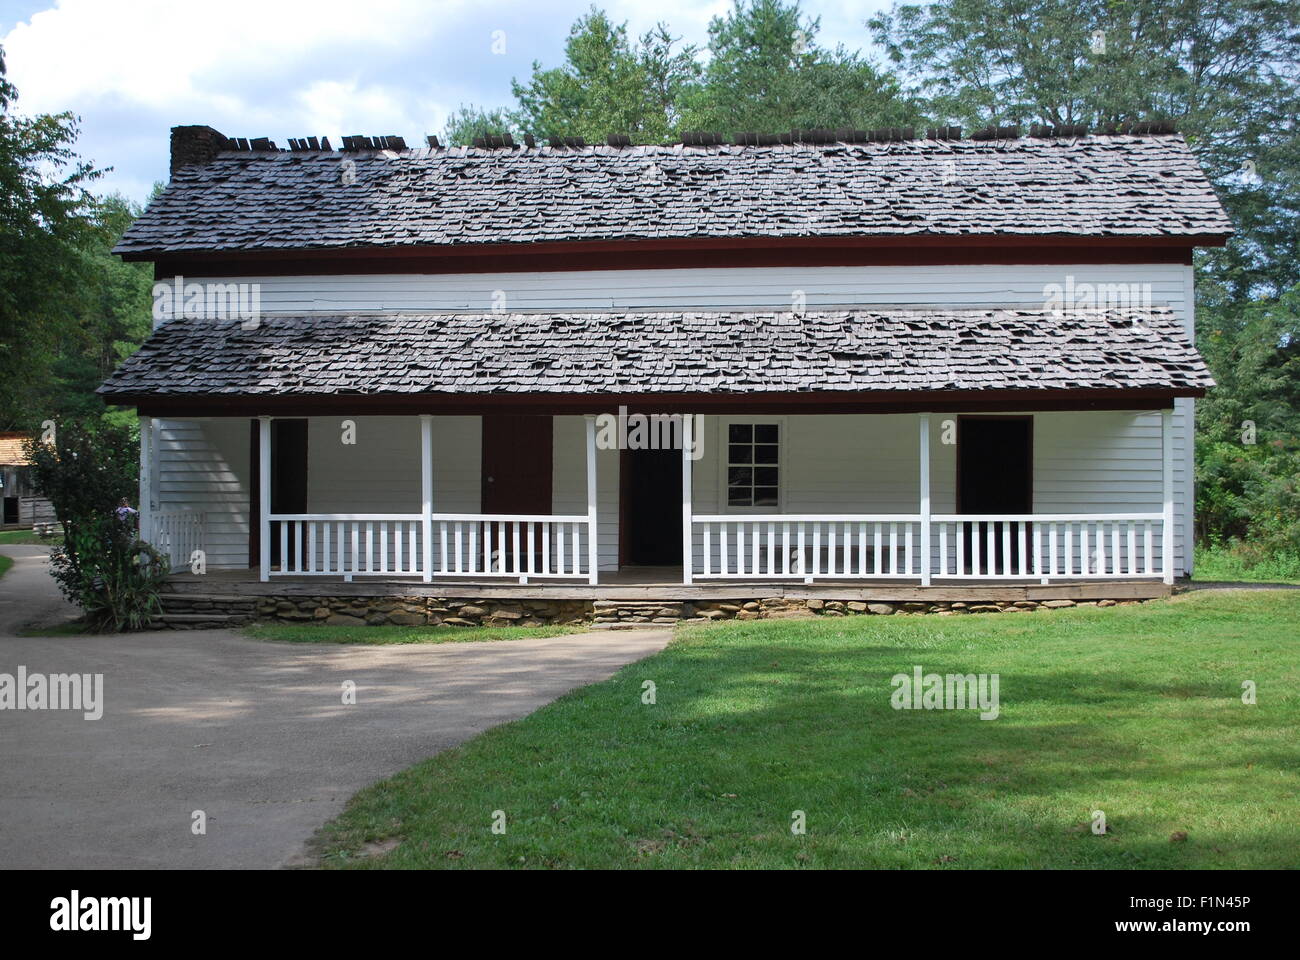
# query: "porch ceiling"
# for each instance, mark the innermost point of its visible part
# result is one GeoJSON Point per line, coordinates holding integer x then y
{"type": "Point", "coordinates": [874, 355]}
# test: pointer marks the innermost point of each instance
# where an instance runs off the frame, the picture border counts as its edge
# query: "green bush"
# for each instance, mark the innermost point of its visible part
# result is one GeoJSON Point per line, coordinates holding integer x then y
{"type": "Point", "coordinates": [102, 566]}
{"type": "Point", "coordinates": [110, 573]}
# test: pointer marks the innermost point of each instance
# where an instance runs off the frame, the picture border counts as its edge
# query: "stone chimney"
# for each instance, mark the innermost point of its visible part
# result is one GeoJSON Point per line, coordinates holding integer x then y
{"type": "Point", "coordinates": [195, 145]}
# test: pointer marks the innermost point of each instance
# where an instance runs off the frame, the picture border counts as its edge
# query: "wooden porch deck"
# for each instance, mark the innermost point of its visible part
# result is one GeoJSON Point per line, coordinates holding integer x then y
{"type": "Point", "coordinates": [664, 583]}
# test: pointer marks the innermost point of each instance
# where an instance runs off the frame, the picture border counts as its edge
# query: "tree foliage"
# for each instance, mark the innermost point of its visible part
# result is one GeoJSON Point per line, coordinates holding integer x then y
{"type": "Point", "coordinates": [763, 71]}
{"type": "Point", "coordinates": [467, 122]}
{"type": "Point", "coordinates": [608, 84]}
{"type": "Point", "coordinates": [1248, 428]}
{"type": "Point", "coordinates": [766, 73]}
{"type": "Point", "coordinates": [44, 232]}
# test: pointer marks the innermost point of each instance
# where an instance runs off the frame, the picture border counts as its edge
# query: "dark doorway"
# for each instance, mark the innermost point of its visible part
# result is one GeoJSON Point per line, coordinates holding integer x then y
{"type": "Point", "coordinates": [516, 477]}
{"type": "Point", "coordinates": [11, 510]}
{"type": "Point", "coordinates": [288, 479]}
{"type": "Point", "coordinates": [651, 508]}
{"type": "Point", "coordinates": [995, 474]}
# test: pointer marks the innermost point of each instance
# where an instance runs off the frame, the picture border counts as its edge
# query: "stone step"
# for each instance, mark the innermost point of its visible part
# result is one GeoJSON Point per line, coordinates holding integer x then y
{"type": "Point", "coordinates": [220, 605]}
{"type": "Point", "coordinates": [215, 597]}
{"type": "Point", "coordinates": [184, 621]}
{"type": "Point", "coordinates": [211, 608]}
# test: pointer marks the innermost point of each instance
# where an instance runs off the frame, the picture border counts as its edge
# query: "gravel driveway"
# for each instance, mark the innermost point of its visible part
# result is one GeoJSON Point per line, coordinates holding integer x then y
{"type": "Point", "coordinates": [254, 734]}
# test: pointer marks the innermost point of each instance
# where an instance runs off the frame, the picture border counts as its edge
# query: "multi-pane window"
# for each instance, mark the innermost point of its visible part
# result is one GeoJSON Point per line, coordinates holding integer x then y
{"type": "Point", "coordinates": [753, 464]}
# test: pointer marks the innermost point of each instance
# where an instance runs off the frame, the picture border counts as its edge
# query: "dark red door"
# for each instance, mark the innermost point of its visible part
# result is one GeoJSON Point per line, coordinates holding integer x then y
{"type": "Point", "coordinates": [516, 473]}
{"type": "Point", "coordinates": [517, 464]}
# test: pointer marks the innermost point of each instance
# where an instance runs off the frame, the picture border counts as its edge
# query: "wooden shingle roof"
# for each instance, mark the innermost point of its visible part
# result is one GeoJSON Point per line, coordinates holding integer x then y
{"type": "Point", "coordinates": [877, 350]}
{"type": "Point", "coordinates": [11, 449]}
{"type": "Point", "coordinates": [1092, 186]}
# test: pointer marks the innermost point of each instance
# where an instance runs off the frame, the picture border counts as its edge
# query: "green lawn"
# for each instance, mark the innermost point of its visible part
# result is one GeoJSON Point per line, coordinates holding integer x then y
{"type": "Point", "coordinates": [319, 633]}
{"type": "Point", "coordinates": [13, 537]}
{"type": "Point", "coordinates": [1135, 711]}
{"type": "Point", "coordinates": [5, 564]}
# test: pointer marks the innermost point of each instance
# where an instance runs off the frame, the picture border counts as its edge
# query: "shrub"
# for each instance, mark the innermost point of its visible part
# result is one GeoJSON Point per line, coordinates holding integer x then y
{"type": "Point", "coordinates": [107, 570]}
{"type": "Point", "coordinates": [103, 566]}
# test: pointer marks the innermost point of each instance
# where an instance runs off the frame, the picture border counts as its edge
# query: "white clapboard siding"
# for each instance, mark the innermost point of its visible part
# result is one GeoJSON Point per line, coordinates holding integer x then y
{"type": "Point", "coordinates": [380, 471]}
{"type": "Point", "coordinates": [203, 467]}
{"type": "Point", "coordinates": [712, 288]}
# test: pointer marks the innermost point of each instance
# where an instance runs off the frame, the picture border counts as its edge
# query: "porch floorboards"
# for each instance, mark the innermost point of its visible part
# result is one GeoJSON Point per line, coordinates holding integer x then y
{"type": "Point", "coordinates": [664, 583]}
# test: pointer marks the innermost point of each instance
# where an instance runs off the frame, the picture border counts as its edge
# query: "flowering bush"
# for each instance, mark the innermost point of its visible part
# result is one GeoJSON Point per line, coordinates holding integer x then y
{"type": "Point", "coordinates": [104, 568]}
{"type": "Point", "coordinates": [89, 473]}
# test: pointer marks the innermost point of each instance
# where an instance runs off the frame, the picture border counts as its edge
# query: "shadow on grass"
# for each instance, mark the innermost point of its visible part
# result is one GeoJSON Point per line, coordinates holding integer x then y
{"type": "Point", "coordinates": [754, 722]}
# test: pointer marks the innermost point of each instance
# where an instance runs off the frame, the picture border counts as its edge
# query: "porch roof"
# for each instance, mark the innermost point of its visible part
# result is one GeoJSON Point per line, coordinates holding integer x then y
{"type": "Point", "coordinates": [885, 352]}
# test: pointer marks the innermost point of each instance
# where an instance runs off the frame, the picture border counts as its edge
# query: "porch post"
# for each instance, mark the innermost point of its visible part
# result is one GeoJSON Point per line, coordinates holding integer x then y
{"type": "Point", "coordinates": [146, 479]}
{"type": "Point", "coordinates": [426, 491]}
{"type": "Point", "coordinates": [1167, 486]}
{"type": "Point", "coordinates": [264, 497]}
{"type": "Point", "coordinates": [688, 424]}
{"type": "Point", "coordinates": [593, 535]}
{"type": "Point", "coordinates": [924, 421]}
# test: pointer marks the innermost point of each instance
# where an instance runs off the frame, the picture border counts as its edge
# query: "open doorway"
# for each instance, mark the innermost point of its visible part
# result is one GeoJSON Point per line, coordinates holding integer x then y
{"type": "Point", "coordinates": [288, 479]}
{"type": "Point", "coordinates": [650, 508]}
{"type": "Point", "coordinates": [995, 475]}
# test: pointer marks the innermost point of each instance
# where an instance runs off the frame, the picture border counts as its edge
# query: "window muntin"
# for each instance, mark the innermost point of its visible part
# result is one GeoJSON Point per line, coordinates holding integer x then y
{"type": "Point", "coordinates": [753, 465]}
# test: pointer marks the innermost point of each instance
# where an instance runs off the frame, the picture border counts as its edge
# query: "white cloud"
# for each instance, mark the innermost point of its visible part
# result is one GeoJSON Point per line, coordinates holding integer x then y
{"type": "Point", "coordinates": [155, 52]}
{"type": "Point", "coordinates": [132, 69]}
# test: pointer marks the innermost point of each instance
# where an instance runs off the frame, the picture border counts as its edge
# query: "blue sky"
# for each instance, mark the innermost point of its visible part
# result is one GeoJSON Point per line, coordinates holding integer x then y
{"type": "Point", "coordinates": [132, 69]}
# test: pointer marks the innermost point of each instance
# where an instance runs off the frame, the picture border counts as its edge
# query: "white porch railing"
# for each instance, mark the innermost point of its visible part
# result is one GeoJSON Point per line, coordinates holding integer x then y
{"type": "Point", "coordinates": [426, 544]}
{"type": "Point", "coordinates": [1045, 546]}
{"type": "Point", "coordinates": [515, 546]}
{"type": "Point", "coordinates": [925, 546]}
{"type": "Point", "coordinates": [961, 546]}
{"type": "Point", "coordinates": [502, 545]}
{"type": "Point", "coordinates": [177, 534]}
{"type": "Point", "coordinates": [808, 546]}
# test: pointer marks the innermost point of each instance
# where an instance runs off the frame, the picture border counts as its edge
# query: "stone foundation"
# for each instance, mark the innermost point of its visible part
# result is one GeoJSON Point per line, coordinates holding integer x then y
{"type": "Point", "coordinates": [600, 614]}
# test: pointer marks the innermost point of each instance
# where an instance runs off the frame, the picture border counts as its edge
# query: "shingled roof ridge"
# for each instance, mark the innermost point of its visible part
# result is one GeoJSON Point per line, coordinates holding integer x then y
{"type": "Point", "coordinates": [213, 143]}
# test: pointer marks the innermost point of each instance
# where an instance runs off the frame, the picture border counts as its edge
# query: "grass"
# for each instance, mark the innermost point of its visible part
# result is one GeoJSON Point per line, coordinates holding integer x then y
{"type": "Point", "coordinates": [26, 537]}
{"type": "Point", "coordinates": [319, 633]}
{"type": "Point", "coordinates": [5, 564]}
{"type": "Point", "coordinates": [1221, 564]}
{"type": "Point", "coordinates": [1135, 711]}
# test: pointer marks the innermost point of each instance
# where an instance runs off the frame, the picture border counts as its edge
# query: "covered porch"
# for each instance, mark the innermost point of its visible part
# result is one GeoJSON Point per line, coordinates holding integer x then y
{"type": "Point", "coordinates": [875, 504]}
{"type": "Point", "coordinates": [915, 446]}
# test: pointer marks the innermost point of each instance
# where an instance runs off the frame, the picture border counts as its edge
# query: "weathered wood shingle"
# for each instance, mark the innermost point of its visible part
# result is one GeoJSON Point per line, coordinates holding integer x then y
{"type": "Point", "coordinates": [1112, 186]}
{"type": "Point", "coordinates": [889, 350]}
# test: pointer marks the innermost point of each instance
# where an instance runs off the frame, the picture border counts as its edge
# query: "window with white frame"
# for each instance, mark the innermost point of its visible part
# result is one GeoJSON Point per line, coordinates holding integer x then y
{"type": "Point", "coordinates": [753, 465]}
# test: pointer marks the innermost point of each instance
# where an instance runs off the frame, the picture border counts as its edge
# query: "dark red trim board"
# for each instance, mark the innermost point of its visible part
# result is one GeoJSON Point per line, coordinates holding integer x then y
{"type": "Point", "coordinates": [664, 254]}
